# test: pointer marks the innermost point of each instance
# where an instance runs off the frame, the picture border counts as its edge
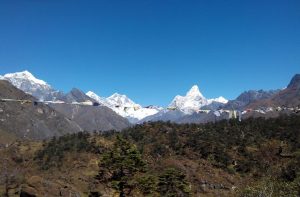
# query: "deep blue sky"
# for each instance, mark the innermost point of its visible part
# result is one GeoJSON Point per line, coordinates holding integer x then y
{"type": "Point", "coordinates": [152, 50]}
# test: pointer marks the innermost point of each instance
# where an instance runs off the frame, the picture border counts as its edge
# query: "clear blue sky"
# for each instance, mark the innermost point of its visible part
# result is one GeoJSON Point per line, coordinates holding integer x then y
{"type": "Point", "coordinates": [152, 50]}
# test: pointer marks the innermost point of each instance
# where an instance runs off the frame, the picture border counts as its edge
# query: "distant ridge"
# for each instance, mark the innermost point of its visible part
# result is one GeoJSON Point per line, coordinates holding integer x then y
{"type": "Point", "coordinates": [288, 97]}
{"type": "Point", "coordinates": [187, 106]}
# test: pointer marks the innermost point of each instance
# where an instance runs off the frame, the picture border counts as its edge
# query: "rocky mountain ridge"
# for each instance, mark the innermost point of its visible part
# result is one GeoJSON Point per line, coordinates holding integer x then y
{"type": "Point", "coordinates": [186, 106]}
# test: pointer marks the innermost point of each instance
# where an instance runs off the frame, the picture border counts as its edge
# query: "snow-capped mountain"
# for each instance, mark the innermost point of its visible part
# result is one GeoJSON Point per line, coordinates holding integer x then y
{"type": "Point", "coordinates": [116, 100]}
{"type": "Point", "coordinates": [31, 85]}
{"type": "Point", "coordinates": [119, 103]}
{"type": "Point", "coordinates": [101, 100]}
{"type": "Point", "coordinates": [121, 100]}
{"type": "Point", "coordinates": [125, 107]}
{"type": "Point", "coordinates": [193, 101]}
{"type": "Point", "coordinates": [181, 106]}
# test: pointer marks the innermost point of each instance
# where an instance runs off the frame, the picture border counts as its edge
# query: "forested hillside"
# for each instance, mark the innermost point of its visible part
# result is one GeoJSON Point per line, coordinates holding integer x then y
{"type": "Point", "coordinates": [229, 158]}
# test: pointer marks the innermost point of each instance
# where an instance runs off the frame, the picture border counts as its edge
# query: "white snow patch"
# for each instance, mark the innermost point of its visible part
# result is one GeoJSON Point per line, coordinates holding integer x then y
{"type": "Point", "coordinates": [220, 99]}
{"type": "Point", "coordinates": [124, 106]}
{"type": "Point", "coordinates": [25, 75]}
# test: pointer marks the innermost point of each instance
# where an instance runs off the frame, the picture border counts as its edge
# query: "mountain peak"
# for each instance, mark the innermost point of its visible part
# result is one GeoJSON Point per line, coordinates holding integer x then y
{"type": "Point", "coordinates": [25, 75]}
{"type": "Point", "coordinates": [91, 93]}
{"type": "Point", "coordinates": [118, 95]}
{"type": "Point", "coordinates": [125, 107]}
{"type": "Point", "coordinates": [76, 95]}
{"type": "Point", "coordinates": [76, 90]}
{"type": "Point", "coordinates": [26, 72]}
{"type": "Point", "coordinates": [120, 99]}
{"type": "Point", "coordinates": [28, 83]}
{"type": "Point", "coordinates": [191, 102]}
{"type": "Point", "coordinates": [194, 92]}
{"type": "Point", "coordinates": [97, 98]}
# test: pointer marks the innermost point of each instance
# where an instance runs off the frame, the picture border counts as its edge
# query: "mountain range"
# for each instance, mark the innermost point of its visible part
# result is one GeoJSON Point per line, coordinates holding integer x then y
{"type": "Point", "coordinates": [119, 103]}
{"type": "Point", "coordinates": [75, 111]}
{"type": "Point", "coordinates": [193, 101]}
{"type": "Point", "coordinates": [30, 108]}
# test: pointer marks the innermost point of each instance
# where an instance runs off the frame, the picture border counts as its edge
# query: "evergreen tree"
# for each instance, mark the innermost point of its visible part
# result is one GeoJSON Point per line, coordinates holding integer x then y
{"type": "Point", "coordinates": [120, 165]}
{"type": "Point", "coordinates": [172, 183]}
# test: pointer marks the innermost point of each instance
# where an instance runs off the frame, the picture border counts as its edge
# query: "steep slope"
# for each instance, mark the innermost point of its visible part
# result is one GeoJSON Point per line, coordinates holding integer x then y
{"type": "Point", "coordinates": [76, 95]}
{"type": "Point", "coordinates": [92, 118]}
{"type": "Point", "coordinates": [29, 119]}
{"type": "Point", "coordinates": [295, 82]}
{"type": "Point", "coordinates": [290, 96]}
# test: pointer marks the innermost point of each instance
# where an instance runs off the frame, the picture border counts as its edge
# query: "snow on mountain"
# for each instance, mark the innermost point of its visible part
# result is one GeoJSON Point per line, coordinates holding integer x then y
{"type": "Point", "coordinates": [154, 107]}
{"type": "Point", "coordinates": [119, 103]}
{"type": "Point", "coordinates": [193, 101]}
{"type": "Point", "coordinates": [100, 100]}
{"type": "Point", "coordinates": [120, 100]}
{"type": "Point", "coordinates": [220, 99]}
{"type": "Point", "coordinates": [129, 109]}
{"type": "Point", "coordinates": [25, 75]}
{"type": "Point", "coordinates": [125, 107]}
{"type": "Point", "coordinates": [31, 85]}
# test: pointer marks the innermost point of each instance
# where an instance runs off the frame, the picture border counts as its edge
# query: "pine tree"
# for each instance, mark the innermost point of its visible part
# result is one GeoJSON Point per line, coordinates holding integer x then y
{"type": "Point", "coordinates": [173, 183]}
{"type": "Point", "coordinates": [120, 165]}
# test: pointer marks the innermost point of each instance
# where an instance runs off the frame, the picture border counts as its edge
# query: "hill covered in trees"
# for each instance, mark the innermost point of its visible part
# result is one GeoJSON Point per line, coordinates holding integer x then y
{"type": "Point", "coordinates": [229, 158]}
